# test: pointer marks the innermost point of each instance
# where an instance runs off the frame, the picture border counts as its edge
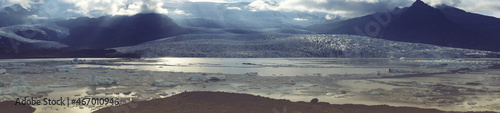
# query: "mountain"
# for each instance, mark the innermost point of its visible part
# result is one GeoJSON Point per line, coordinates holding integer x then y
{"type": "Point", "coordinates": [419, 23]}
{"type": "Point", "coordinates": [116, 31]}
{"type": "Point", "coordinates": [485, 25]}
{"type": "Point", "coordinates": [14, 15]}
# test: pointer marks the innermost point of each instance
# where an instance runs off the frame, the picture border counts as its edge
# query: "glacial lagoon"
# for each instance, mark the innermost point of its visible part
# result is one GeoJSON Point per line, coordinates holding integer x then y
{"type": "Point", "coordinates": [445, 84]}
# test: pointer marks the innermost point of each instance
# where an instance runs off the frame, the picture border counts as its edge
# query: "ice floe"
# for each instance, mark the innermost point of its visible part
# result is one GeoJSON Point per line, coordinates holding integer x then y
{"type": "Point", "coordinates": [163, 83]}
{"type": "Point", "coordinates": [3, 71]}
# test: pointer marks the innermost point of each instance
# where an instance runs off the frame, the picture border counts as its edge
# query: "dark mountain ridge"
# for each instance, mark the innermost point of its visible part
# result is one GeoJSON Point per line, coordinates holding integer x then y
{"type": "Point", "coordinates": [485, 25]}
{"type": "Point", "coordinates": [419, 23]}
{"type": "Point", "coordinates": [84, 36]}
{"type": "Point", "coordinates": [117, 31]}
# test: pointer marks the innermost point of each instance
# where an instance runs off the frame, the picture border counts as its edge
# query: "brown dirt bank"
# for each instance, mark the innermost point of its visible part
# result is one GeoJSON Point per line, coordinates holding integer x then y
{"type": "Point", "coordinates": [10, 107]}
{"type": "Point", "coordinates": [219, 102]}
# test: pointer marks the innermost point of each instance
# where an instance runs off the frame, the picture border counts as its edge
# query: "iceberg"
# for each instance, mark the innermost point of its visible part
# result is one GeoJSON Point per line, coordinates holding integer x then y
{"type": "Point", "coordinates": [3, 71]}
{"type": "Point", "coordinates": [95, 80]}
{"type": "Point", "coordinates": [2, 83]}
{"type": "Point", "coordinates": [163, 83]}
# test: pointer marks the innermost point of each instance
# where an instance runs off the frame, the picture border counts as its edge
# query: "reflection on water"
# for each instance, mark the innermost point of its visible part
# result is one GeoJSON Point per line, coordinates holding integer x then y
{"type": "Point", "coordinates": [263, 66]}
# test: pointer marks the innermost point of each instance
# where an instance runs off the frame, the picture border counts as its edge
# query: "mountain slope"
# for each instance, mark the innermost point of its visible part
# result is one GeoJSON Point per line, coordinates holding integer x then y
{"type": "Point", "coordinates": [14, 15]}
{"type": "Point", "coordinates": [485, 25]}
{"type": "Point", "coordinates": [116, 31]}
{"type": "Point", "coordinates": [419, 23]}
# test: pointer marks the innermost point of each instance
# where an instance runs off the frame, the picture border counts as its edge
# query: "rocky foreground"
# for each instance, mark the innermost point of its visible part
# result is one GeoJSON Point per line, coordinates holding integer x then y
{"type": "Point", "coordinates": [220, 102]}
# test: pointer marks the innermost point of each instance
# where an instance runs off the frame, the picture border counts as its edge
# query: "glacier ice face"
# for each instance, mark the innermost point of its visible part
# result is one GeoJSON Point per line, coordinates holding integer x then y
{"type": "Point", "coordinates": [294, 45]}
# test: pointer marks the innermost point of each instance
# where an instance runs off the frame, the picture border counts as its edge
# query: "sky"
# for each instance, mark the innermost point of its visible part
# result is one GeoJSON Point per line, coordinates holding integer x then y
{"type": "Point", "coordinates": [344, 8]}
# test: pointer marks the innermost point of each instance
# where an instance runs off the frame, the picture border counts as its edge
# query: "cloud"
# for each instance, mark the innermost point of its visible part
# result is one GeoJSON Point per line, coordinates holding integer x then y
{"type": "Point", "coordinates": [181, 12]}
{"type": "Point", "coordinates": [355, 8]}
{"type": "Point", "coordinates": [234, 8]}
{"type": "Point", "coordinates": [487, 7]}
{"type": "Point", "coordinates": [95, 8]}
{"type": "Point", "coordinates": [115, 7]}
{"type": "Point", "coordinates": [216, 1]}
{"type": "Point", "coordinates": [344, 8]}
{"type": "Point", "coordinates": [300, 19]}
{"type": "Point", "coordinates": [23, 3]}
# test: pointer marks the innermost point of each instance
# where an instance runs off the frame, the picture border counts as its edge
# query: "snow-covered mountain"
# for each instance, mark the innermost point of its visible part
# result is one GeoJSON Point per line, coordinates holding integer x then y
{"type": "Point", "coordinates": [10, 36]}
{"type": "Point", "coordinates": [197, 29]}
{"type": "Point", "coordinates": [293, 45]}
{"type": "Point", "coordinates": [239, 15]}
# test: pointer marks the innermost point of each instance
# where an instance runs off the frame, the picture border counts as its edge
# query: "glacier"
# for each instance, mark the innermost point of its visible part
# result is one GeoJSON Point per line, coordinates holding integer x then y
{"type": "Point", "coordinates": [10, 33]}
{"type": "Point", "coordinates": [229, 45]}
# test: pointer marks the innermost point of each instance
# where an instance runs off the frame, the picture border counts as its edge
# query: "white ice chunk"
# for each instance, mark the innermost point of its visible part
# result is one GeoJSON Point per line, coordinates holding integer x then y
{"type": "Point", "coordinates": [2, 83]}
{"type": "Point", "coordinates": [94, 81]}
{"type": "Point", "coordinates": [197, 77]}
{"type": "Point", "coordinates": [17, 64]}
{"type": "Point", "coordinates": [402, 59]}
{"type": "Point", "coordinates": [215, 78]}
{"type": "Point", "coordinates": [19, 82]}
{"type": "Point", "coordinates": [3, 71]}
{"type": "Point", "coordinates": [163, 83]}
{"type": "Point", "coordinates": [425, 83]}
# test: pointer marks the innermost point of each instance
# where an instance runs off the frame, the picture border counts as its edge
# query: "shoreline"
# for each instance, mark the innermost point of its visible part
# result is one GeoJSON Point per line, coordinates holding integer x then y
{"type": "Point", "coordinates": [216, 102]}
